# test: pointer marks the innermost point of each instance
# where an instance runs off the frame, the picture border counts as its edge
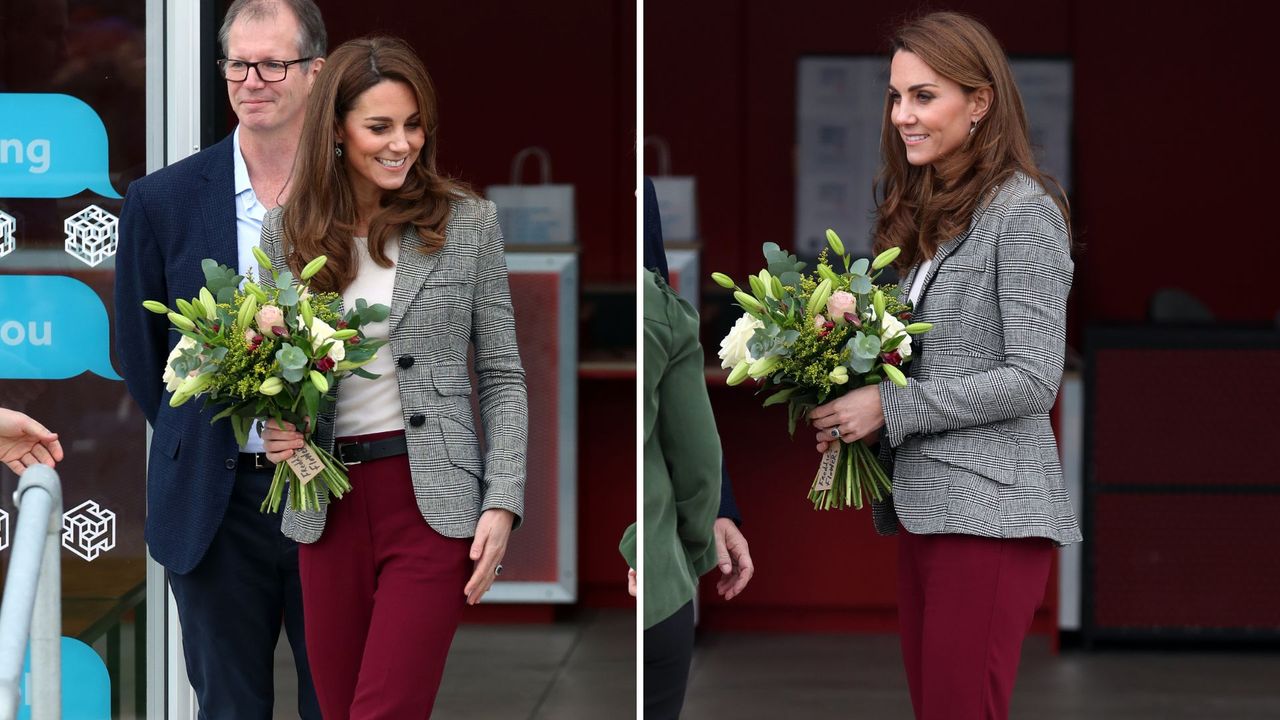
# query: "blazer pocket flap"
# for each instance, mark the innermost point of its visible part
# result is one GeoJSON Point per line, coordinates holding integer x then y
{"type": "Point", "coordinates": [166, 443]}
{"type": "Point", "coordinates": [461, 446]}
{"type": "Point", "coordinates": [451, 380]}
{"type": "Point", "coordinates": [993, 452]}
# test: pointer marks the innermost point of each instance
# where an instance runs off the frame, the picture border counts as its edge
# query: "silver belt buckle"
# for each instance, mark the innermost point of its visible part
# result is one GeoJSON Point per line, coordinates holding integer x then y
{"type": "Point", "coordinates": [343, 456]}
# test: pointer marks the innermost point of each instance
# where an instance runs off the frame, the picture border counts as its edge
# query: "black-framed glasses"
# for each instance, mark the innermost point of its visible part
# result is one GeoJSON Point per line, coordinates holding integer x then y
{"type": "Point", "coordinates": [268, 70]}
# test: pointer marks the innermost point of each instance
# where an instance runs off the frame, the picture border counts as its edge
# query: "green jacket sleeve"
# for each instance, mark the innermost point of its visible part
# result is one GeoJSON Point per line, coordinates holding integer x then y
{"type": "Point", "coordinates": [687, 430]}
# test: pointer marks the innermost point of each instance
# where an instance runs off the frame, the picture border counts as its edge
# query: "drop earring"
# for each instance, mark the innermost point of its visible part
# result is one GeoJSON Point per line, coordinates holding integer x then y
{"type": "Point", "coordinates": [972, 128]}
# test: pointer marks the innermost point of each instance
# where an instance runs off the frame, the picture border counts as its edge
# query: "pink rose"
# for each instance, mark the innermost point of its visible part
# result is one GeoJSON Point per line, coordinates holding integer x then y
{"type": "Point", "coordinates": [267, 318]}
{"type": "Point", "coordinates": [249, 335]}
{"type": "Point", "coordinates": [819, 322]}
{"type": "Point", "coordinates": [840, 303]}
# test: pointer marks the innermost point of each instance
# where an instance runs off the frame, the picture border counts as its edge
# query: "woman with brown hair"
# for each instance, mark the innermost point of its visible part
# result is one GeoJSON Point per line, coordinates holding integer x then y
{"type": "Point", "coordinates": [978, 499]}
{"type": "Point", "coordinates": [386, 570]}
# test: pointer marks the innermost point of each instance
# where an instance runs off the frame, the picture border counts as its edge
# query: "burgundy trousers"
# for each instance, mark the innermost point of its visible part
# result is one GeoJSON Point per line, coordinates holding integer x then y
{"type": "Point", "coordinates": [965, 604]}
{"type": "Point", "coordinates": [382, 597]}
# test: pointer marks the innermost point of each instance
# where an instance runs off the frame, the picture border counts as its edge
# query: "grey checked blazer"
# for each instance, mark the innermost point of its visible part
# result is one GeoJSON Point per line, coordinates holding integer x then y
{"type": "Point", "coordinates": [968, 441]}
{"type": "Point", "coordinates": [444, 302]}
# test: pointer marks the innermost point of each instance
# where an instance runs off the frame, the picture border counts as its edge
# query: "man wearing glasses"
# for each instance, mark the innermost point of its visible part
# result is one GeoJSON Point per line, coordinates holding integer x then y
{"type": "Point", "coordinates": [233, 574]}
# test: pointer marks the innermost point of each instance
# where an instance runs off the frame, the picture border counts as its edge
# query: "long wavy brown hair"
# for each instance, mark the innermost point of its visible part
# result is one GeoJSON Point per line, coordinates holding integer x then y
{"type": "Point", "coordinates": [919, 208]}
{"type": "Point", "coordinates": [320, 216]}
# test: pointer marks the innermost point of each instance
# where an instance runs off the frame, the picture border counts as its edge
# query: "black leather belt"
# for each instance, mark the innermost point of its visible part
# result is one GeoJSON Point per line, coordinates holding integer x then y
{"type": "Point", "coordinates": [255, 461]}
{"type": "Point", "coordinates": [359, 452]}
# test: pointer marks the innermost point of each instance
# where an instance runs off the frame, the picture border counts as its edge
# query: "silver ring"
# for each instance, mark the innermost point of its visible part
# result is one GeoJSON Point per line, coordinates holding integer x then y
{"type": "Point", "coordinates": [498, 570]}
{"type": "Point", "coordinates": [835, 432]}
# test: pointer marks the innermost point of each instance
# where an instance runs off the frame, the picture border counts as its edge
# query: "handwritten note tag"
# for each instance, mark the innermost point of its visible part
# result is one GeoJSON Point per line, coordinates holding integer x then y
{"type": "Point", "coordinates": [827, 470]}
{"type": "Point", "coordinates": [305, 463]}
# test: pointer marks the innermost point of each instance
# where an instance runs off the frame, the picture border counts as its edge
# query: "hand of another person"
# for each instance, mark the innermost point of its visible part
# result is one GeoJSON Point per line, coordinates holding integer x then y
{"type": "Point", "coordinates": [733, 557]}
{"type": "Point", "coordinates": [487, 549]}
{"type": "Point", "coordinates": [632, 586]}
{"type": "Point", "coordinates": [279, 441]}
{"type": "Point", "coordinates": [858, 414]}
{"type": "Point", "coordinates": [25, 442]}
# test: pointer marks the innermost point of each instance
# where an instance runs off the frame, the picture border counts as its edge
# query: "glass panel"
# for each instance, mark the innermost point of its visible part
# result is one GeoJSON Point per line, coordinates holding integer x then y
{"type": "Point", "coordinates": [72, 138]}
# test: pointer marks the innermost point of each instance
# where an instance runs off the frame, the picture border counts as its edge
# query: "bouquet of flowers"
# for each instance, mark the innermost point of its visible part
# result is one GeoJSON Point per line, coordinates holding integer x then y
{"type": "Point", "coordinates": [270, 353]}
{"type": "Point", "coordinates": [809, 338]}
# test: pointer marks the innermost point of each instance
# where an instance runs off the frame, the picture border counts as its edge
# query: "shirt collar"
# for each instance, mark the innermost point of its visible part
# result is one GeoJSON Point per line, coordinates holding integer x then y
{"type": "Point", "coordinates": [241, 169]}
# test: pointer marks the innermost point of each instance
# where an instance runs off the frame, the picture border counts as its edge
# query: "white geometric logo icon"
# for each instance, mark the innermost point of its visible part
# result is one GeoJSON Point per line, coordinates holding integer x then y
{"type": "Point", "coordinates": [91, 235]}
{"type": "Point", "coordinates": [4, 529]}
{"type": "Point", "coordinates": [7, 226]}
{"type": "Point", "coordinates": [88, 530]}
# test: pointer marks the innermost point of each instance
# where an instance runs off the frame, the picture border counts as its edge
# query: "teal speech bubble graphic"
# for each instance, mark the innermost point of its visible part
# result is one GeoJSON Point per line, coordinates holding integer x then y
{"type": "Point", "coordinates": [51, 146]}
{"type": "Point", "coordinates": [52, 327]}
{"type": "Point", "coordinates": [86, 684]}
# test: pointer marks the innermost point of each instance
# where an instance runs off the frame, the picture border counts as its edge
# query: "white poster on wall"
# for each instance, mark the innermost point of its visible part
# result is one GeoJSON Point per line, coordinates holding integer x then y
{"type": "Point", "coordinates": [839, 107]}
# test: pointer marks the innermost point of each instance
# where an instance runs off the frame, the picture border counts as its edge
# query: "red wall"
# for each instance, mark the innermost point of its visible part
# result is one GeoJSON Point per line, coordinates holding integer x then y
{"type": "Point", "coordinates": [1172, 165]}
{"type": "Point", "coordinates": [512, 74]}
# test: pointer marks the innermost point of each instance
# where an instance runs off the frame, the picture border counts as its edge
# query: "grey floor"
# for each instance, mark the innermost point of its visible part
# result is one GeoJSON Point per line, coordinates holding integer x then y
{"type": "Point", "coordinates": [765, 676]}
{"type": "Point", "coordinates": [583, 669]}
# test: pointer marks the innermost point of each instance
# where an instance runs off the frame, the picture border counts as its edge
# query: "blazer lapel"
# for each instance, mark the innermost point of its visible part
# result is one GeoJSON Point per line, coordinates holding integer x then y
{"type": "Point", "coordinates": [218, 206]}
{"type": "Point", "coordinates": [412, 270]}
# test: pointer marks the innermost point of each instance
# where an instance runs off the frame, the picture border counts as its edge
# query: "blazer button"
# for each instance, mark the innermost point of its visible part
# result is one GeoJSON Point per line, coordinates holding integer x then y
{"type": "Point", "coordinates": [406, 361]}
{"type": "Point", "coordinates": [231, 464]}
{"type": "Point", "coordinates": [418, 420]}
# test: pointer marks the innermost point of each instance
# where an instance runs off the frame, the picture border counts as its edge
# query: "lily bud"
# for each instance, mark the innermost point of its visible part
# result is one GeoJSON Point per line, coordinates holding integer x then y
{"type": "Point", "coordinates": [834, 241]}
{"type": "Point", "coordinates": [271, 386]}
{"type": "Point", "coordinates": [304, 309]}
{"type": "Point", "coordinates": [839, 376]}
{"type": "Point", "coordinates": [739, 372]}
{"type": "Point", "coordinates": [344, 334]}
{"type": "Point", "coordinates": [181, 321]}
{"type": "Point", "coordinates": [885, 258]}
{"type": "Point", "coordinates": [261, 257]}
{"type": "Point", "coordinates": [895, 375]}
{"type": "Point", "coordinates": [158, 308]}
{"type": "Point", "coordinates": [877, 301]}
{"type": "Point", "coordinates": [210, 305]}
{"type": "Point", "coordinates": [256, 291]}
{"type": "Point", "coordinates": [723, 280]}
{"type": "Point", "coordinates": [919, 327]}
{"type": "Point", "coordinates": [320, 382]}
{"type": "Point", "coordinates": [748, 302]}
{"type": "Point", "coordinates": [766, 281]}
{"type": "Point", "coordinates": [763, 366]}
{"type": "Point", "coordinates": [818, 300]}
{"type": "Point", "coordinates": [757, 288]}
{"type": "Point", "coordinates": [312, 268]}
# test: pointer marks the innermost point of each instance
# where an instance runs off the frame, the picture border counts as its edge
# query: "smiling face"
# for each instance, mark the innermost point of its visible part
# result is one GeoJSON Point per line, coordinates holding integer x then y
{"type": "Point", "coordinates": [931, 113]}
{"type": "Point", "coordinates": [262, 106]}
{"type": "Point", "coordinates": [381, 138]}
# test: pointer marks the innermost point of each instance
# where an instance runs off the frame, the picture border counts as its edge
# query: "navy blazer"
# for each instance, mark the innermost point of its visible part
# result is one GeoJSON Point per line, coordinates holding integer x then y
{"type": "Point", "coordinates": [172, 219]}
{"type": "Point", "coordinates": [655, 259]}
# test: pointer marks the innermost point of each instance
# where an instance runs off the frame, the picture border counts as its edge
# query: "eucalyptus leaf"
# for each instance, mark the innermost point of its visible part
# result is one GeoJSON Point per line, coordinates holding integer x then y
{"type": "Point", "coordinates": [859, 267]}
{"type": "Point", "coordinates": [293, 375]}
{"type": "Point", "coordinates": [861, 365]}
{"type": "Point", "coordinates": [860, 285]}
{"type": "Point", "coordinates": [376, 313]}
{"type": "Point", "coordinates": [291, 358]}
{"type": "Point", "coordinates": [791, 277]}
{"type": "Point", "coordinates": [288, 296]}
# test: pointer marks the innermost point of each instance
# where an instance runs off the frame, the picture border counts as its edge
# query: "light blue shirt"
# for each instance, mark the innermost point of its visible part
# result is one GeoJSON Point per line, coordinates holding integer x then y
{"type": "Point", "coordinates": [249, 216]}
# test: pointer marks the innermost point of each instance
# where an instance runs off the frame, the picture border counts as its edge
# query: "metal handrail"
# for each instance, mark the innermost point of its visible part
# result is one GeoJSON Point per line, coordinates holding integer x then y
{"type": "Point", "coordinates": [32, 605]}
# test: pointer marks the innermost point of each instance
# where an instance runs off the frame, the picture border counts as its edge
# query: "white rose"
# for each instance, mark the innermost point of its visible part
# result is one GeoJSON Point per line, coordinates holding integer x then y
{"type": "Point", "coordinates": [733, 348]}
{"type": "Point", "coordinates": [891, 329]}
{"type": "Point", "coordinates": [321, 333]}
{"type": "Point", "coordinates": [170, 378]}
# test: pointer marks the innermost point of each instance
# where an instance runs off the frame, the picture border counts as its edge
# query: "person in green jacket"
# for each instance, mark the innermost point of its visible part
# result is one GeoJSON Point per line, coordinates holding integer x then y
{"type": "Point", "coordinates": [681, 493]}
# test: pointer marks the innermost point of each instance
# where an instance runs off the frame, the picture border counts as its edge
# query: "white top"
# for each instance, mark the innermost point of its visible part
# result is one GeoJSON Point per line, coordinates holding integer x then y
{"type": "Point", "coordinates": [249, 215]}
{"type": "Point", "coordinates": [371, 406]}
{"type": "Point", "coordinates": [918, 284]}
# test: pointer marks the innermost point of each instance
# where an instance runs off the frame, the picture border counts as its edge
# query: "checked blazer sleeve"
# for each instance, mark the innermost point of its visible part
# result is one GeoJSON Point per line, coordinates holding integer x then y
{"type": "Point", "coordinates": [1032, 280]}
{"type": "Point", "coordinates": [504, 405]}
